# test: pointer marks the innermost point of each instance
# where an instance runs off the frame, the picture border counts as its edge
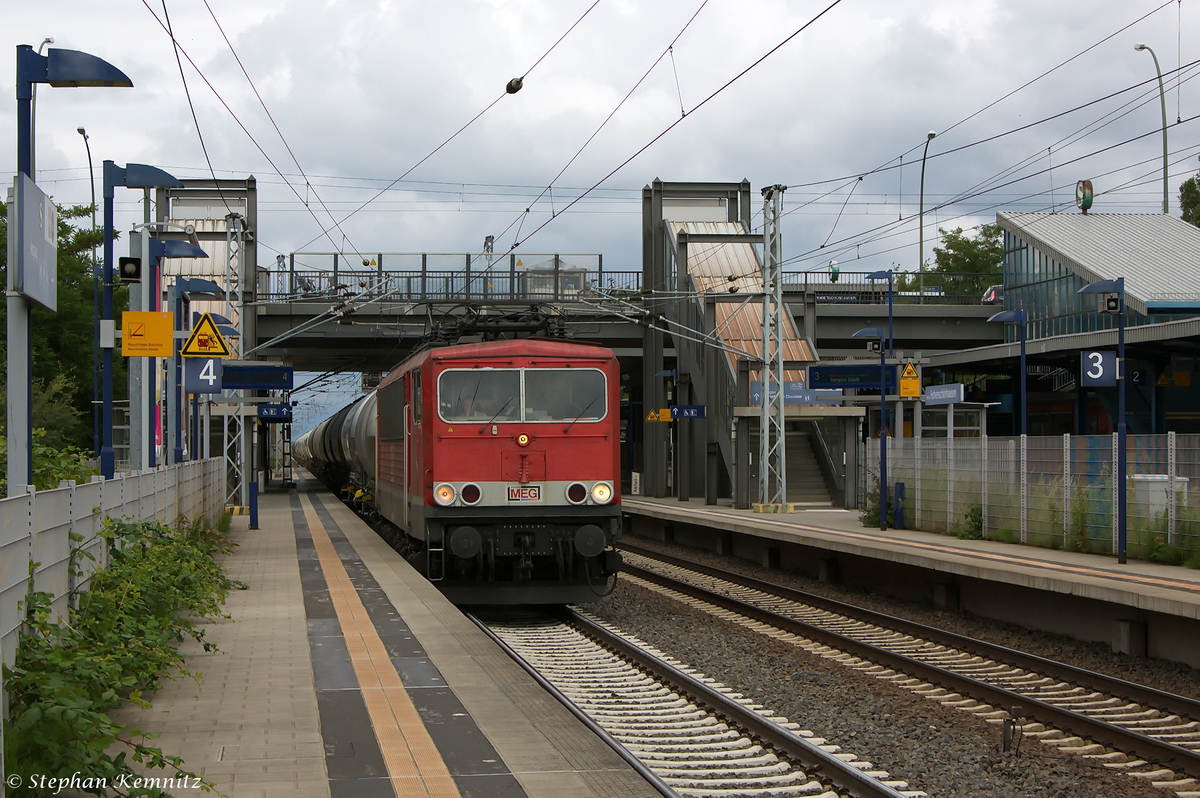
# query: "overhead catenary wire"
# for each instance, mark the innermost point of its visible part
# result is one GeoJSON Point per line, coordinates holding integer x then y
{"type": "Point", "coordinates": [180, 50]}
{"type": "Point", "coordinates": [188, 94]}
{"type": "Point", "coordinates": [517, 81]}
{"type": "Point", "coordinates": [698, 105]}
{"type": "Point", "coordinates": [274, 124]}
{"type": "Point", "coordinates": [607, 119]}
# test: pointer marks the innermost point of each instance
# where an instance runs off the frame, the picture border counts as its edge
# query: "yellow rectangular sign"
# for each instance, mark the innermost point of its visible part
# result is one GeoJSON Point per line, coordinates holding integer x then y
{"type": "Point", "coordinates": [910, 382]}
{"type": "Point", "coordinates": [147, 334]}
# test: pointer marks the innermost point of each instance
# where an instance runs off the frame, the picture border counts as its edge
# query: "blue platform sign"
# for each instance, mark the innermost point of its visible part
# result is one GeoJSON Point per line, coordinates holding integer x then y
{"type": "Point", "coordinates": [1098, 369]}
{"type": "Point", "coordinates": [202, 375]}
{"type": "Point", "coordinates": [275, 413]}
{"type": "Point", "coordinates": [687, 411]}
{"type": "Point", "coordinates": [793, 391]}
{"type": "Point", "coordinates": [856, 376]}
{"type": "Point", "coordinates": [951, 394]}
{"type": "Point", "coordinates": [258, 376]}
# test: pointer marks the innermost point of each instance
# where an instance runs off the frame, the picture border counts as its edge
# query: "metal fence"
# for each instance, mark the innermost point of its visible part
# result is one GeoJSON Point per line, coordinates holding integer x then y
{"type": "Point", "coordinates": [555, 277]}
{"type": "Point", "coordinates": [35, 531]}
{"type": "Point", "coordinates": [1049, 491]}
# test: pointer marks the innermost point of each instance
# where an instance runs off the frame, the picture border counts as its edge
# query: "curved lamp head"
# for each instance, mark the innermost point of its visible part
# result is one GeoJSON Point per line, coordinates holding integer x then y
{"type": "Point", "coordinates": [882, 274]}
{"type": "Point", "coordinates": [1116, 286]}
{"type": "Point", "coordinates": [1140, 46]}
{"type": "Point", "coordinates": [871, 332]}
{"type": "Point", "coordinates": [1009, 315]}
{"type": "Point", "coordinates": [930, 135]}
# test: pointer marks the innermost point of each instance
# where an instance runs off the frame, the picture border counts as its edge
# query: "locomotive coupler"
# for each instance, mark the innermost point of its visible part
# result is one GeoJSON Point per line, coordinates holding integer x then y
{"type": "Point", "coordinates": [525, 566]}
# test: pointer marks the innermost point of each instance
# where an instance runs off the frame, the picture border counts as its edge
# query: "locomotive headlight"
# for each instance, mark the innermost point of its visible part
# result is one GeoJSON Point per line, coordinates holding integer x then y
{"type": "Point", "coordinates": [602, 493]}
{"type": "Point", "coordinates": [523, 439]}
{"type": "Point", "coordinates": [577, 493]}
{"type": "Point", "coordinates": [444, 494]}
{"type": "Point", "coordinates": [471, 494]}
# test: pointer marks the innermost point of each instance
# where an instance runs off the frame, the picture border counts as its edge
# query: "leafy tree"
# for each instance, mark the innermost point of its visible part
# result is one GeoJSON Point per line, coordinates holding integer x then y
{"type": "Point", "coordinates": [964, 265]}
{"type": "Point", "coordinates": [1189, 200]}
{"type": "Point", "coordinates": [63, 341]}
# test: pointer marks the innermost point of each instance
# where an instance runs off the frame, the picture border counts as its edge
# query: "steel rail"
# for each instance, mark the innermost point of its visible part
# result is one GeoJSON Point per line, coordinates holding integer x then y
{"type": "Point", "coordinates": [652, 778]}
{"type": "Point", "coordinates": [1100, 731]}
{"type": "Point", "coordinates": [1141, 694]}
{"type": "Point", "coordinates": [786, 742]}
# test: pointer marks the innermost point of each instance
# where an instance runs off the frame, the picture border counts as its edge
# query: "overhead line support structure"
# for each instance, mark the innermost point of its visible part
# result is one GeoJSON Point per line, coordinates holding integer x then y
{"type": "Point", "coordinates": [772, 440]}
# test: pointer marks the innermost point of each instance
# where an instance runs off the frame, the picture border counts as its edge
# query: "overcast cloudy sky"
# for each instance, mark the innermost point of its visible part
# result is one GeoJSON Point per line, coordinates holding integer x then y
{"type": "Point", "coordinates": [363, 91]}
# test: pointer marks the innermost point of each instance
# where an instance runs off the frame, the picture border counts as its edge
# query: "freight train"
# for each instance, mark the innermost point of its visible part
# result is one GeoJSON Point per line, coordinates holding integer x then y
{"type": "Point", "coordinates": [494, 467]}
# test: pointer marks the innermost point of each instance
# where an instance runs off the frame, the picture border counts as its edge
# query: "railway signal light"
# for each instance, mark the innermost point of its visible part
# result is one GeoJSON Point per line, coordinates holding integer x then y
{"type": "Point", "coordinates": [129, 270]}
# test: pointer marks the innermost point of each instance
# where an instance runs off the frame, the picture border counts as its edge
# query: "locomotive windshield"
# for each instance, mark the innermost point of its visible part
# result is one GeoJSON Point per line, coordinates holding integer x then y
{"type": "Point", "coordinates": [479, 396]}
{"type": "Point", "coordinates": [564, 395]}
{"type": "Point", "coordinates": [484, 396]}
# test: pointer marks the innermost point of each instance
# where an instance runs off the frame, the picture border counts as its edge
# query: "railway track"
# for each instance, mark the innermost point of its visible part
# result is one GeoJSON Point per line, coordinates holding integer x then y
{"type": "Point", "coordinates": [694, 735]}
{"type": "Point", "coordinates": [1148, 733]}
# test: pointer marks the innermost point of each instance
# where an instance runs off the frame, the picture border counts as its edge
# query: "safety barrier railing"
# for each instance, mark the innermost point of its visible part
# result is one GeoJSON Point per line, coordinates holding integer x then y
{"type": "Point", "coordinates": [1054, 491]}
{"type": "Point", "coordinates": [36, 545]}
{"type": "Point", "coordinates": [433, 277]}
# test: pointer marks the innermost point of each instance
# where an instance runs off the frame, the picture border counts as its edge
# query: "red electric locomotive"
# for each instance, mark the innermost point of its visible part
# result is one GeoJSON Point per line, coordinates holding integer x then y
{"type": "Point", "coordinates": [499, 464]}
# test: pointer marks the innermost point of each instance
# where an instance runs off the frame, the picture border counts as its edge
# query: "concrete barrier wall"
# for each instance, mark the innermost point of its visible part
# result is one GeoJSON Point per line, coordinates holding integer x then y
{"type": "Point", "coordinates": [36, 529]}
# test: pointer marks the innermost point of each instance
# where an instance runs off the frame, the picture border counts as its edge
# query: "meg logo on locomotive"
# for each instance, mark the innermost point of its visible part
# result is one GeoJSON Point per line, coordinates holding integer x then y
{"type": "Point", "coordinates": [524, 493]}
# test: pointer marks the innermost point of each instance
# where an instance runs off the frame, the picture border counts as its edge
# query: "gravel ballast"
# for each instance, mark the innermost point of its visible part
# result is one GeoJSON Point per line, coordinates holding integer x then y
{"type": "Point", "coordinates": [943, 751]}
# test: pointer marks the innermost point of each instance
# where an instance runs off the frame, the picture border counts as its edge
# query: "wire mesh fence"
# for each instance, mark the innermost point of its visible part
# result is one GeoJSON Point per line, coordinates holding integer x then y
{"type": "Point", "coordinates": [1056, 492]}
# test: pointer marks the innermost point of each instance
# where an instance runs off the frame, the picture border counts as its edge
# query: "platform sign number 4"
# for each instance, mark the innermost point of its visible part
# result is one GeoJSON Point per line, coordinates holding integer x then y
{"type": "Point", "coordinates": [1098, 369]}
{"type": "Point", "coordinates": [202, 374]}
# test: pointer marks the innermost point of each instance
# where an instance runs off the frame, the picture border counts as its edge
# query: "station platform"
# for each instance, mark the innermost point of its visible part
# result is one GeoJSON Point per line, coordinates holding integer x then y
{"type": "Point", "coordinates": [1140, 608]}
{"type": "Point", "coordinates": [343, 672]}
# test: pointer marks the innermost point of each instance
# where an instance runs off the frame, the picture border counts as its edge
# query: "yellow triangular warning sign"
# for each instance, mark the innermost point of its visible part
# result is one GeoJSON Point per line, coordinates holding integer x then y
{"type": "Point", "coordinates": [910, 372]}
{"type": "Point", "coordinates": [205, 340]}
{"type": "Point", "coordinates": [652, 415]}
{"type": "Point", "coordinates": [1162, 380]}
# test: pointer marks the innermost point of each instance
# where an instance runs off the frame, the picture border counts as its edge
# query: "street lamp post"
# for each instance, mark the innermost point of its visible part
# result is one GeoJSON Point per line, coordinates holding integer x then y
{"type": "Point", "coordinates": [921, 221]}
{"type": "Point", "coordinates": [1162, 96]}
{"type": "Point", "coordinates": [1117, 287]}
{"type": "Point", "coordinates": [95, 307]}
{"type": "Point", "coordinates": [59, 68]}
{"type": "Point", "coordinates": [1017, 316]}
{"type": "Point", "coordinates": [880, 333]}
{"type": "Point", "coordinates": [134, 175]}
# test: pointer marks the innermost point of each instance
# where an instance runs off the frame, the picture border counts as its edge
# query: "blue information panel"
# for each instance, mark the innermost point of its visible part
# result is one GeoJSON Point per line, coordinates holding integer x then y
{"type": "Point", "coordinates": [951, 394]}
{"type": "Point", "coordinates": [792, 392]}
{"type": "Point", "coordinates": [687, 411]}
{"type": "Point", "coordinates": [863, 376]}
{"type": "Point", "coordinates": [275, 413]}
{"type": "Point", "coordinates": [259, 377]}
{"type": "Point", "coordinates": [202, 375]}
{"type": "Point", "coordinates": [1098, 369]}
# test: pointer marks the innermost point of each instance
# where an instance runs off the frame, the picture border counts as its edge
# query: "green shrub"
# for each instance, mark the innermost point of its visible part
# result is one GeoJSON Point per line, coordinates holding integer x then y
{"type": "Point", "coordinates": [869, 517]}
{"type": "Point", "coordinates": [1006, 534]}
{"type": "Point", "coordinates": [122, 640]}
{"type": "Point", "coordinates": [972, 525]}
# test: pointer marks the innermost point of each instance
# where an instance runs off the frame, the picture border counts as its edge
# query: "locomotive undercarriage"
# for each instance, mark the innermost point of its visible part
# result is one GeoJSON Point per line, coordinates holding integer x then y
{"type": "Point", "coordinates": [553, 558]}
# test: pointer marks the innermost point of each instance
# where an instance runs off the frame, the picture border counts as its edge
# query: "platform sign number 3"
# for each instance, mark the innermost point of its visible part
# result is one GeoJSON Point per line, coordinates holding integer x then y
{"type": "Point", "coordinates": [202, 374]}
{"type": "Point", "coordinates": [1098, 369]}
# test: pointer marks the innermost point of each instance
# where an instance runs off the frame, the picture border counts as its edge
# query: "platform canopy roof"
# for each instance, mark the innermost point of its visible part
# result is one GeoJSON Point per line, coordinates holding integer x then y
{"type": "Point", "coordinates": [1157, 254]}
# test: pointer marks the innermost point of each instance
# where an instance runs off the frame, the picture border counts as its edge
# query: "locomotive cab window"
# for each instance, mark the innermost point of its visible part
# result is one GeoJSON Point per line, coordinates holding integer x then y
{"type": "Point", "coordinates": [416, 395]}
{"type": "Point", "coordinates": [564, 395]}
{"type": "Point", "coordinates": [480, 395]}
